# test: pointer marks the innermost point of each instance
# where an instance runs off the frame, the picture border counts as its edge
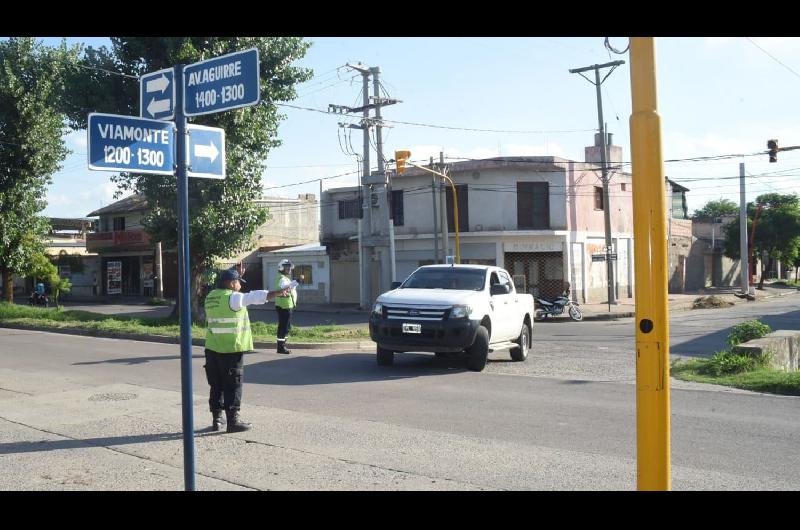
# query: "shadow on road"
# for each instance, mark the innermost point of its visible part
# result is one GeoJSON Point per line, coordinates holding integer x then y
{"type": "Point", "coordinates": [137, 360]}
{"type": "Point", "coordinates": [55, 445]}
{"type": "Point", "coordinates": [348, 368]}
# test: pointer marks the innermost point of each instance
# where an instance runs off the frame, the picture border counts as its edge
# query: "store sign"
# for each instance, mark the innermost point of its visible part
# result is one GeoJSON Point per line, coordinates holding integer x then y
{"type": "Point", "coordinates": [114, 275]}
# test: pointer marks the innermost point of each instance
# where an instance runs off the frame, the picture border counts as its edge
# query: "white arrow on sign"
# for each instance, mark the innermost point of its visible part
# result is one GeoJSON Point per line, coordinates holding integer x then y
{"type": "Point", "coordinates": [159, 83]}
{"type": "Point", "coordinates": [158, 105]}
{"type": "Point", "coordinates": [206, 151]}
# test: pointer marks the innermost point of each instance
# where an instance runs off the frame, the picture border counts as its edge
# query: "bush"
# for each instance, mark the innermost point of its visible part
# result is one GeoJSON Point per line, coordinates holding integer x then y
{"type": "Point", "coordinates": [752, 329]}
{"type": "Point", "coordinates": [726, 362]}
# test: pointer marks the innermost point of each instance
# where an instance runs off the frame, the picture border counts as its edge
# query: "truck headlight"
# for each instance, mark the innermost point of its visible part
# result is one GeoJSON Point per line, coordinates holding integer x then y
{"type": "Point", "coordinates": [377, 308]}
{"type": "Point", "coordinates": [461, 311]}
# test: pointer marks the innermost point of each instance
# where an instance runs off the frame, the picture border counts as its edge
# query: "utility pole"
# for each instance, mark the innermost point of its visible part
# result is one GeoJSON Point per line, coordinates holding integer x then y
{"type": "Point", "coordinates": [383, 220]}
{"type": "Point", "coordinates": [743, 252]}
{"type": "Point", "coordinates": [443, 212]}
{"type": "Point", "coordinates": [435, 223]}
{"type": "Point", "coordinates": [612, 299]}
{"type": "Point", "coordinates": [369, 241]}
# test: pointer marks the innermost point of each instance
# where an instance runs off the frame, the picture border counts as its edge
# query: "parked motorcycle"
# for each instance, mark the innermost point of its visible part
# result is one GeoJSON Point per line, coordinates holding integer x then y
{"type": "Point", "coordinates": [39, 299]}
{"type": "Point", "coordinates": [554, 307]}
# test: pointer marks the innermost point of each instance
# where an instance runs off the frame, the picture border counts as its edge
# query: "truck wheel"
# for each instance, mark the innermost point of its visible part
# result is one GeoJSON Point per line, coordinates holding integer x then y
{"type": "Point", "coordinates": [479, 351]}
{"type": "Point", "coordinates": [385, 357]}
{"type": "Point", "coordinates": [521, 353]}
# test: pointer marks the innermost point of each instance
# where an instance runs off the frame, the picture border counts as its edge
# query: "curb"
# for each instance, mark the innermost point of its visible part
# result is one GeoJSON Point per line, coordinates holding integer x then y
{"type": "Point", "coordinates": [360, 345]}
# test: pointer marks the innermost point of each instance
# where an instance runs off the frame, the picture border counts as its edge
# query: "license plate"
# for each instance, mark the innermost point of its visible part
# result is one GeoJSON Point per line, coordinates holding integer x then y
{"type": "Point", "coordinates": [412, 328]}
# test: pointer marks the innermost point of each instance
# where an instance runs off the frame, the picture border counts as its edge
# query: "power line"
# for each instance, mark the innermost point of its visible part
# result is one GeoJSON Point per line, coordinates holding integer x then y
{"type": "Point", "coordinates": [417, 124]}
{"type": "Point", "coordinates": [771, 56]}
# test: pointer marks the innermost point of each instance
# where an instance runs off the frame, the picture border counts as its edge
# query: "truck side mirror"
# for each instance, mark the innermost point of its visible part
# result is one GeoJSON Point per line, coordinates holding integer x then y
{"type": "Point", "coordinates": [395, 285]}
{"type": "Point", "coordinates": [499, 288]}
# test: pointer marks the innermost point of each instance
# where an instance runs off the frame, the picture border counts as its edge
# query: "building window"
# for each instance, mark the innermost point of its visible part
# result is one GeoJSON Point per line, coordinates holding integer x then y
{"type": "Point", "coordinates": [119, 224]}
{"type": "Point", "coordinates": [396, 207]}
{"type": "Point", "coordinates": [533, 205]}
{"type": "Point", "coordinates": [598, 198]}
{"type": "Point", "coordinates": [623, 187]}
{"type": "Point", "coordinates": [350, 209]}
{"type": "Point", "coordinates": [463, 208]}
{"type": "Point", "coordinates": [305, 272]}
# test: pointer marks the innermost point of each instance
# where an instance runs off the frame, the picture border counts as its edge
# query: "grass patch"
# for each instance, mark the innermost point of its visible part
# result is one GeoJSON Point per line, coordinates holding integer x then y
{"type": "Point", "coordinates": [154, 300]}
{"type": "Point", "coordinates": [60, 318]}
{"type": "Point", "coordinates": [765, 380]}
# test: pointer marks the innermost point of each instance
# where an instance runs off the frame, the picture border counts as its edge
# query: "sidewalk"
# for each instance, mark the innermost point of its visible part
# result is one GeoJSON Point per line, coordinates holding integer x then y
{"type": "Point", "coordinates": [679, 302]}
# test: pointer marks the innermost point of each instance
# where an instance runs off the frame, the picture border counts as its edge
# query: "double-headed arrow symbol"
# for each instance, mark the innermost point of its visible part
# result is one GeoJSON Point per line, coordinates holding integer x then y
{"type": "Point", "coordinates": [159, 84]}
{"type": "Point", "coordinates": [206, 151]}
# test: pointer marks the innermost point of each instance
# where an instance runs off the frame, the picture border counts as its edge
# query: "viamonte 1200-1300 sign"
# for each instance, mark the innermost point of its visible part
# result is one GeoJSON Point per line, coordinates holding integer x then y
{"type": "Point", "coordinates": [137, 145]}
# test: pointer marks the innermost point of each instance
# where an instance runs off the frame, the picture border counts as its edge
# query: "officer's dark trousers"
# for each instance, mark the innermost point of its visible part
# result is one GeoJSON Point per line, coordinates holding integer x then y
{"type": "Point", "coordinates": [284, 324]}
{"type": "Point", "coordinates": [224, 372]}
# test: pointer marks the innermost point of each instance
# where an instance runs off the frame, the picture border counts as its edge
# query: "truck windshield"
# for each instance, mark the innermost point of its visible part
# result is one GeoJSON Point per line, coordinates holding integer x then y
{"type": "Point", "coordinates": [446, 278]}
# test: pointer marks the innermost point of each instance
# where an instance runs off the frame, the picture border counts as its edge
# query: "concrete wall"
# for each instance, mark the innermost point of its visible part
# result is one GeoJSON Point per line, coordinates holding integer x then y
{"type": "Point", "coordinates": [318, 292]}
{"type": "Point", "coordinates": [782, 346]}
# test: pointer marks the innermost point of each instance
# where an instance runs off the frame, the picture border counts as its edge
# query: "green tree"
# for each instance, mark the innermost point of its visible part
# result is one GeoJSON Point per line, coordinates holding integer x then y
{"type": "Point", "coordinates": [41, 267]}
{"type": "Point", "coordinates": [718, 208]}
{"type": "Point", "coordinates": [32, 78]}
{"type": "Point", "coordinates": [222, 214]}
{"type": "Point", "coordinates": [777, 233]}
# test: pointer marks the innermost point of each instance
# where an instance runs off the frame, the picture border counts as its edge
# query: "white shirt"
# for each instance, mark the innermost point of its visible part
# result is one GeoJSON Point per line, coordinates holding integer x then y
{"type": "Point", "coordinates": [238, 301]}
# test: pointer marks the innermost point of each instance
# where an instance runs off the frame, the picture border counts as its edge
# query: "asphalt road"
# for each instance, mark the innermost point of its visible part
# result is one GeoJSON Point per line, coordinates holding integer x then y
{"type": "Point", "coordinates": [565, 419]}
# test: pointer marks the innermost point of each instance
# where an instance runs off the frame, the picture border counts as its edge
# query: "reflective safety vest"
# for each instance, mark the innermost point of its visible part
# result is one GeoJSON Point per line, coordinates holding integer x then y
{"type": "Point", "coordinates": [286, 302]}
{"type": "Point", "coordinates": [228, 331]}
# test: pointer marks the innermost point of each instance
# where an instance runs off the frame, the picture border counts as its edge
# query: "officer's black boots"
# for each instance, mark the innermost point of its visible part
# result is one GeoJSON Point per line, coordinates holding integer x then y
{"type": "Point", "coordinates": [217, 420]}
{"type": "Point", "coordinates": [282, 347]}
{"type": "Point", "coordinates": [235, 422]}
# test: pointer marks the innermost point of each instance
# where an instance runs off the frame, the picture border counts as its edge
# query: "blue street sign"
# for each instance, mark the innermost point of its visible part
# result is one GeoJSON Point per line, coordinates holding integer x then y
{"type": "Point", "coordinates": [227, 82]}
{"type": "Point", "coordinates": [205, 148]}
{"type": "Point", "coordinates": [126, 143]}
{"type": "Point", "coordinates": [157, 95]}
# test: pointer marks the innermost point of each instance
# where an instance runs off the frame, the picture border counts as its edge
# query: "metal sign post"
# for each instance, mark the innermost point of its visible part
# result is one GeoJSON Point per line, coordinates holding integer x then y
{"type": "Point", "coordinates": [185, 297]}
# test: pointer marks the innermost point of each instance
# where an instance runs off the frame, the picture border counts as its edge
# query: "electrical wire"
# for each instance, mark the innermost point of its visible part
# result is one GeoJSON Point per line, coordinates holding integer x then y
{"type": "Point", "coordinates": [771, 56]}
{"type": "Point", "coordinates": [417, 124]}
{"type": "Point", "coordinates": [610, 48]}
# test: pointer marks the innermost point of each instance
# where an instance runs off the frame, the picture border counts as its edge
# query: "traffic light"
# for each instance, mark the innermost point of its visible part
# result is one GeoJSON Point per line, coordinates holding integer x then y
{"type": "Point", "coordinates": [772, 145]}
{"type": "Point", "coordinates": [400, 158]}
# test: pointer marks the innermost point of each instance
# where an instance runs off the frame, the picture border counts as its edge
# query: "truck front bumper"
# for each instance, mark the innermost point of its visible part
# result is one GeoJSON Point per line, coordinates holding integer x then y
{"type": "Point", "coordinates": [435, 336]}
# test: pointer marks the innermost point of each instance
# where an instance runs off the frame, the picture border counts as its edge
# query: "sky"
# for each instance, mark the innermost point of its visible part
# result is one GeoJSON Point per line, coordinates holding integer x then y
{"type": "Point", "coordinates": [716, 96]}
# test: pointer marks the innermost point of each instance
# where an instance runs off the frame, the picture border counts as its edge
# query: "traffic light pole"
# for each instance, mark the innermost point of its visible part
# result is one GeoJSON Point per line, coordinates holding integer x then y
{"type": "Point", "coordinates": [455, 202]}
{"type": "Point", "coordinates": [650, 259]}
{"type": "Point", "coordinates": [185, 290]}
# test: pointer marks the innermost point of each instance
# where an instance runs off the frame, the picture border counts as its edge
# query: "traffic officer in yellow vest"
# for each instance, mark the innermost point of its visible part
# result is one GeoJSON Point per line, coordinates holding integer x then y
{"type": "Point", "coordinates": [227, 338]}
{"type": "Point", "coordinates": [285, 302]}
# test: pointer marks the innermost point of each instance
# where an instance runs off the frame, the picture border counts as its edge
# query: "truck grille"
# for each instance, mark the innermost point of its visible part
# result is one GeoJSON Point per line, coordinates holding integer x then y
{"type": "Point", "coordinates": [416, 313]}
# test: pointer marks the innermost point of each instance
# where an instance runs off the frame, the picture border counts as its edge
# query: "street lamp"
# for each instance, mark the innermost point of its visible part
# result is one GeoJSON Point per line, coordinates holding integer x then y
{"type": "Point", "coordinates": [401, 159]}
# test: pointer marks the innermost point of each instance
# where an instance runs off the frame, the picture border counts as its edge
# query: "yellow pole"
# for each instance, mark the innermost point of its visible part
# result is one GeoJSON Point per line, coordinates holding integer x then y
{"type": "Point", "coordinates": [455, 204]}
{"type": "Point", "coordinates": [650, 258]}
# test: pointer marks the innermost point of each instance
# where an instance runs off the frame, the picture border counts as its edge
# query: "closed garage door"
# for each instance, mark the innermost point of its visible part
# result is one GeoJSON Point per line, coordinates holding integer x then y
{"type": "Point", "coordinates": [344, 282]}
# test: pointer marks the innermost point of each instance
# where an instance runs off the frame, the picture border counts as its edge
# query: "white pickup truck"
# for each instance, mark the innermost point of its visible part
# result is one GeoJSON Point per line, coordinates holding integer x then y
{"type": "Point", "coordinates": [453, 308]}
